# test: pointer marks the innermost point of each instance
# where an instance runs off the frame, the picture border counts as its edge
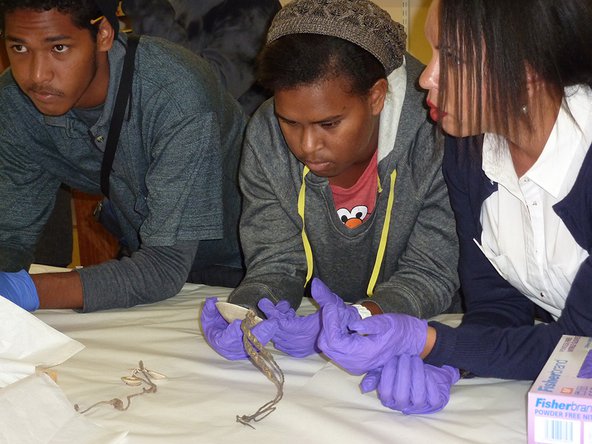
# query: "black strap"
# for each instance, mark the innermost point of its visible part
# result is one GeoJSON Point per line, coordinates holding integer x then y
{"type": "Point", "coordinates": [123, 93]}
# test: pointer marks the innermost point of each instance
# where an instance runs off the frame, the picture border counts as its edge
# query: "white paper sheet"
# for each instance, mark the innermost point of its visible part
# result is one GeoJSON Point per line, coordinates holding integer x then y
{"type": "Point", "coordinates": [26, 343]}
{"type": "Point", "coordinates": [34, 410]}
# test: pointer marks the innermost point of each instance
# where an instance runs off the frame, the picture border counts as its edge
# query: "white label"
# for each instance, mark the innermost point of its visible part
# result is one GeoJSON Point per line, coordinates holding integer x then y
{"type": "Point", "coordinates": [554, 431]}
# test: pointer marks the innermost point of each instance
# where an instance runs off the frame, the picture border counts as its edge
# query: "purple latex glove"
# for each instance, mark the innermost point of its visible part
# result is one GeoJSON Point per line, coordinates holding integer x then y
{"type": "Point", "coordinates": [409, 385]}
{"type": "Point", "coordinates": [227, 339]}
{"type": "Point", "coordinates": [297, 335]}
{"type": "Point", "coordinates": [586, 368]}
{"type": "Point", "coordinates": [324, 296]}
{"type": "Point", "coordinates": [370, 343]}
{"type": "Point", "coordinates": [19, 289]}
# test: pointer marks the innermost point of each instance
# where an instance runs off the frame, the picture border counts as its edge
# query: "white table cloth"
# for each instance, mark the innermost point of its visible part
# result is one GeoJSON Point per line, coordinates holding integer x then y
{"type": "Point", "coordinates": [203, 392]}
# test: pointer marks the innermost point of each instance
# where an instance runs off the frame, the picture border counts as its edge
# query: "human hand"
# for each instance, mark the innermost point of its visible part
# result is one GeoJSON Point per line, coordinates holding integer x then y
{"type": "Point", "coordinates": [227, 338]}
{"type": "Point", "coordinates": [19, 289]}
{"type": "Point", "coordinates": [297, 335]}
{"type": "Point", "coordinates": [369, 343]}
{"type": "Point", "coordinates": [346, 313]}
{"type": "Point", "coordinates": [409, 385]}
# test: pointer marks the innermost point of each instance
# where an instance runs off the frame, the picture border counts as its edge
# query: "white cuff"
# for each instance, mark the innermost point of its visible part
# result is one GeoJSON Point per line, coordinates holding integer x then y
{"type": "Point", "coordinates": [362, 311]}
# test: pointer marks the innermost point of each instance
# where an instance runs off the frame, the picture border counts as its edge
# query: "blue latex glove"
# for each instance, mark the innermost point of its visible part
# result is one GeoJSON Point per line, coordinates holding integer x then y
{"type": "Point", "coordinates": [227, 339]}
{"type": "Point", "coordinates": [20, 289]}
{"type": "Point", "coordinates": [370, 343]}
{"type": "Point", "coordinates": [409, 385]}
{"type": "Point", "coordinates": [297, 335]}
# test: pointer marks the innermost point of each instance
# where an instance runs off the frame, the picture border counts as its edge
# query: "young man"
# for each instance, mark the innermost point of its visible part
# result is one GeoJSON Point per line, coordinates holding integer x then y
{"type": "Point", "coordinates": [172, 183]}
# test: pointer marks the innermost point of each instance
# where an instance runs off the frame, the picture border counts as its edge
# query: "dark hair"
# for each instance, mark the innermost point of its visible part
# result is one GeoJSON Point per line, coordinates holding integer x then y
{"type": "Point", "coordinates": [301, 59]}
{"type": "Point", "coordinates": [81, 11]}
{"type": "Point", "coordinates": [497, 39]}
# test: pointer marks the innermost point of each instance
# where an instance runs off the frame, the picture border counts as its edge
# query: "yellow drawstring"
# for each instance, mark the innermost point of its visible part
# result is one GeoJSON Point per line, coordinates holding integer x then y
{"type": "Point", "coordinates": [307, 249]}
{"type": "Point", "coordinates": [383, 236]}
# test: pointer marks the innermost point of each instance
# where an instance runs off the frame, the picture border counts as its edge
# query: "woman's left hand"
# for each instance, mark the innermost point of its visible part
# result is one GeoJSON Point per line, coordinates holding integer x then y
{"type": "Point", "coordinates": [409, 385]}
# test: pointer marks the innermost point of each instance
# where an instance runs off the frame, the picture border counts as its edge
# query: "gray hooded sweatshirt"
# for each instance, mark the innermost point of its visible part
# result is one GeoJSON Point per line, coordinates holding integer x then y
{"type": "Point", "coordinates": [418, 272]}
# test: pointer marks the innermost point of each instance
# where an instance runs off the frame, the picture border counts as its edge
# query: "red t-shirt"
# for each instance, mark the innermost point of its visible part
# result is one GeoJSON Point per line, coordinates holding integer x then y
{"type": "Point", "coordinates": [357, 203]}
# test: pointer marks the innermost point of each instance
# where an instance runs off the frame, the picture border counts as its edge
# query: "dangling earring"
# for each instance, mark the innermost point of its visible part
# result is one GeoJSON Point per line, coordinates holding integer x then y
{"type": "Point", "coordinates": [524, 109]}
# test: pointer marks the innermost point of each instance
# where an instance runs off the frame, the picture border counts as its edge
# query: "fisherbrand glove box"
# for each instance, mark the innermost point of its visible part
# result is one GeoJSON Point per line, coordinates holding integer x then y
{"type": "Point", "coordinates": [560, 400]}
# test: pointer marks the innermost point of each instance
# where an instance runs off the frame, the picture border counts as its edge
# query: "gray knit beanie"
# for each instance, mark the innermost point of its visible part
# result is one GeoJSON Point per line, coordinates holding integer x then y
{"type": "Point", "coordinates": [358, 21]}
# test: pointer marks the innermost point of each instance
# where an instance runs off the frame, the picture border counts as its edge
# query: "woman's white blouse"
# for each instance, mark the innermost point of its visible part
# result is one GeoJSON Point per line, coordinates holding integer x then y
{"type": "Point", "coordinates": [522, 236]}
